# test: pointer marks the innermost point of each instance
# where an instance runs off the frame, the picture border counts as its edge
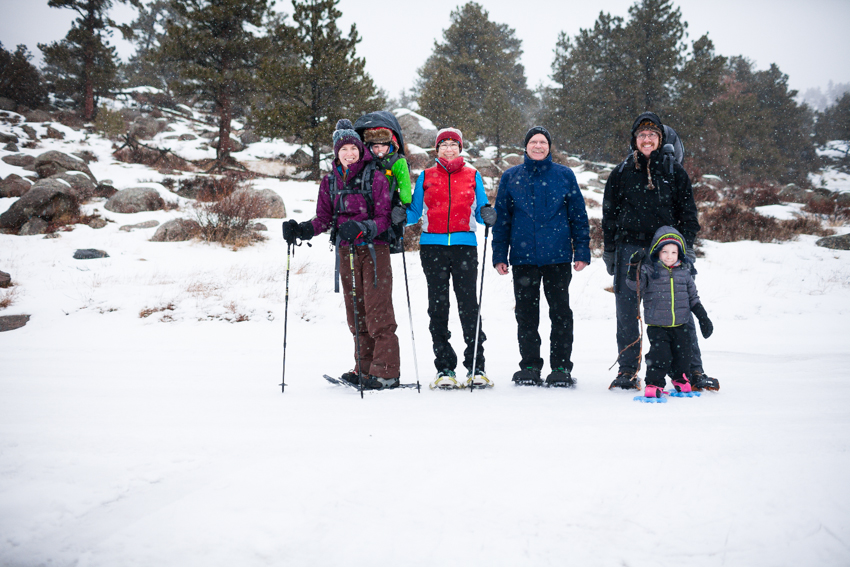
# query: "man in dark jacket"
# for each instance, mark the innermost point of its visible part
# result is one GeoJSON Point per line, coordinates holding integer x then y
{"type": "Point", "coordinates": [641, 195]}
{"type": "Point", "coordinates": [542, 221]}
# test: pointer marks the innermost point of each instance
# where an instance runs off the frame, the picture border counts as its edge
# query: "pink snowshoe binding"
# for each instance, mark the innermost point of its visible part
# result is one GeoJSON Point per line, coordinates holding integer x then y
{"type": "Point", "coordinates": [654, 391]}
{"type": "Point", "coordinates": [682, 385]}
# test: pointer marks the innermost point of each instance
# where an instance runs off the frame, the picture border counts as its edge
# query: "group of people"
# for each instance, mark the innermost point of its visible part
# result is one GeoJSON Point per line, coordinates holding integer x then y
{"type": "Point", "coordinates": [540, 233]}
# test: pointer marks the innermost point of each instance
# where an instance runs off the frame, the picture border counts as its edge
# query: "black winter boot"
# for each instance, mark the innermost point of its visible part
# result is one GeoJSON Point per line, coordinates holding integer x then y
{"type": "Point", "coordinates": [527, 377]}
{"type": "Point", "coordinates": [560, 378]}
{"type": "Point", "coordinates": [351, 377]}
{"type": "Point", "coordinates": [626, 379]}
{"type": "Point", "coordinates": [700, 381]}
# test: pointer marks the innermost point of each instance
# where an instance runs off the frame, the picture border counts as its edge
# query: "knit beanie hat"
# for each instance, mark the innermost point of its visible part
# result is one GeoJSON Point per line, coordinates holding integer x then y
{"type": "Point", "coordinates": [646, 125]}
{"type": "Point", "coordinates": [345, 134]}
{"type": "Point", "coordinates": [537, 130]}
{"type": "Point", "coordinates": [450, 134]}
{"type": "Point", "coordinates": [669, 239]}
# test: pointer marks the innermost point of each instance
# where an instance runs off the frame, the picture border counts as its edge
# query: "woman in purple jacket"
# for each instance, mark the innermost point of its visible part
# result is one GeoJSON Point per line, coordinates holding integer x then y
{"type": "Point", "coordinates": [355, 203]}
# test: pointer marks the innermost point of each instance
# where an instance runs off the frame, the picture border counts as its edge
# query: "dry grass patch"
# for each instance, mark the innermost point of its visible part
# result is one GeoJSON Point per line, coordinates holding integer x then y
{"type": "Point", "coordinates": [148, 311]}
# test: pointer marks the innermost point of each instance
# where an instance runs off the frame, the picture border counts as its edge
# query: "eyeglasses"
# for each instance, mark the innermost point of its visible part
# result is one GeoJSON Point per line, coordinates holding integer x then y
{"type": "Point", "coordinates": [538, 143]}
{"type": "Point", "coordinates": [648, 135]}
{"type": "Point", "coordinates": [449, 144]}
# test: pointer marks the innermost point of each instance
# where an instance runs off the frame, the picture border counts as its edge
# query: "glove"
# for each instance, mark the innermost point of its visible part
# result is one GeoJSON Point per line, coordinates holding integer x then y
{"type": "Point", "coordinates": [705, 326]}
{"type": "Point", "coordinates": [398, 215]}
{"type": "Point", "coordinates": [608, 258]}
{"type": "Point", "coordinates": [291, 231]}
{"type": "Point", "coordinates": [638, 256]}
{"type": "Point", "coordinates": [352, 230]}
{"type": "Point", "coordinates": [307, 230]}
{"type": "Point", "coordinates": [488, 215]}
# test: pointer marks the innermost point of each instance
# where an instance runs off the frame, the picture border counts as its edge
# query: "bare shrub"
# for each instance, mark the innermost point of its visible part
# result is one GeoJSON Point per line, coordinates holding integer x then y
{"type": "Point", "coordinates": [228, 221]}
{"type": "Point", "coordinates": [755, 195]}
{"type": "Point", "coordinates": [705, 193]}
{"type": "Point", "coordinates": [830, 209]}
{"type": "Point", "coordinates": [148, 311]}
{"type": "Point", "coordinates": [597, 239]}
{"type": "Point", "coordinates": [412, 232]}
{"type": "Point", "coordinates": [732, 221]}
{"type": "Point", "coordinates": [8, 297]}
{"type": "Point", "coordinates": [208, 188]}
{"type": "Point", "coordinates": [161, 159]}
{"type": "Point", "coordinates": [591, 203]}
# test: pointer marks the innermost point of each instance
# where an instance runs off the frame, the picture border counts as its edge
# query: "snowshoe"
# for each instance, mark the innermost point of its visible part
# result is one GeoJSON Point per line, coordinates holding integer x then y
{"type": "Point", "coordinates": [560, 378]}
{"type": "Point", "coordinates": [527, 377]}
{"type": "Point", "coordinates": [378, 383]}
{"type": "Point", "coordinates": [700, 381]}
{"type": "Point", "coordinates": [626, 380]}
{"type": "Point", "coordinates": [445, 380]}
{"type": "Point", "coordinates": [653, 395]}
{"type": "Point", "coordinates": [478, 381]}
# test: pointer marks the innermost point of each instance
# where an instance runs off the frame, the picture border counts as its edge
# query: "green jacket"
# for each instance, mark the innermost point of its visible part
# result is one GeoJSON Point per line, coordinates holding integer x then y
{"type": "Point", "coordinates": [398, 174]}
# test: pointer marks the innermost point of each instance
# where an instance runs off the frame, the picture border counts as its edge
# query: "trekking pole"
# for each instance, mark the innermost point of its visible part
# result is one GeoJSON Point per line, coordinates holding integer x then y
{"type": "Point", "coordinates": [410, 314]}
{"type": "Point", "coordinates": [356, 322]}
{"type": "Point", "coordinates": [478, 318]}
{"type": "Point", "coordinates": [285, 317]}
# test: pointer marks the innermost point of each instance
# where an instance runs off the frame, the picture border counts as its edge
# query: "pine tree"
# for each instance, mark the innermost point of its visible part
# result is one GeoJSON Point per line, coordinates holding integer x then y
{"type": "Point", "coordinates": [83, 65]}
{"type": "Point", "coordinates": [474, 81]}
{"type": "Point", "coordinates": [19, 79]}
{"type": "Point", "coordinates": [834, 122]}
{"type": "Point", "coordinates": [313, 78]}
{"type": "Point", "coordinates": [145, 67]}
{"type": "Point", "coordinates": [216, 50]}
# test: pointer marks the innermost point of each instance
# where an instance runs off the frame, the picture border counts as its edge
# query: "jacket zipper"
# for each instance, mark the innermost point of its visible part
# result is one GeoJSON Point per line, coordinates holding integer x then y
{"type": "Point", "coordinates": [672, 298]}
{"type": "Point", "coordinates": [449, 216]}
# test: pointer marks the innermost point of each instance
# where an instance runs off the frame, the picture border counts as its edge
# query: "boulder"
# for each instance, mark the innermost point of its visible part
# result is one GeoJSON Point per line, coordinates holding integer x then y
{"type": "Point", "coordinates": [81, 186]}
{"type": "Point", "coordinates": [235, 144]}
{"type": "Point", "coordinates": [792, 193]}
{"type": "Point", "coordinates": [33, 226]}
{"type": "Point", "coordinates": [419, 161]}
{"type": "Point", "coordinates": [258, 227]}
{"type": "Point", "coordinates": [14, 186]}
{"type": "Point", "coordinates": [132, 227]}
{"type": "Point", "coordinates": [90, 254]}
{"type": "Point", "coordinates": [835, 242]}
{"type": "Point", "coordinates": [486, 167]}
{"type": "Point", "coordinates": [5, 279]}
{"type": "Point", "coordinates": [186, 137]}
{"type": "Point", "coordinates": [7, 104]}
{"type": "Point", "coordinates": [209, 134]}
{"type": "Point", "coordinates": [604, 175]}
{"type": "Point", "coordinates": [176, 230]}
{"type": "Point", "coordinates": [85, 155]}
{"type": "Point", "coordinates": [12, 322]}
{"type": "Point", "coordinates": [414, 133]}
{"type": "Point", "coordinates": [55, 134]}
{"type": "Point", "coordinates": [513, 159]}
{"type": "Point", "coordinates": [37, 116]}
{"type": "Point", "coordinates": [300, 158]}
{"type": "Point", "coordinates": [146, 127]}
{"type": "Point", "coordinates": [30, 132]}
{"type": "Point", "coordinates": [104, 190]}
{"type": "Point", "coordinates": [19, 160]}
{"type": "Point", "coordinates": [8, 138]}
{"type": "Point", "coordinates": [10, 147]}
{"type": "Point", "coordinates": [97, 222]}
{"type": "Point", "coordinates": [248, 136]}
{"type": "Point", "coordinates": [270, 203]}
{"type": "Point", "coordinates": [46, 203]}
{"type": "Point", "coordinates": [135, 200]}
{"type": "Point", "coordinates": [842, 198]}
{"type": "Point", "coordinates": [50, 163]}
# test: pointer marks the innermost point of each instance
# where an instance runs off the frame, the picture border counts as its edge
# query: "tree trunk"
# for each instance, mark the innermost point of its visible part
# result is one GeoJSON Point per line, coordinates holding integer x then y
{"type": "Point", "coordinates": [316, 146]}
{"type": "Point", "coordinates": [223, 151]}
{"type": "Point", "coordinates": [88, 84]}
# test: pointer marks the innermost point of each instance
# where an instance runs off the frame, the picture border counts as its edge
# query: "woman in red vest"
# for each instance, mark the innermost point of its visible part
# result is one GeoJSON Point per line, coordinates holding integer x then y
{"type": "Point", "coordinates": [450, 199]}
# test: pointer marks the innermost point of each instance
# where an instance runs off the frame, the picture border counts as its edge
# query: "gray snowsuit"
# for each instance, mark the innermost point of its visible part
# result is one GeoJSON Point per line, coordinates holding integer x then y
{"type": "Point", "coordinates": [668, 295]}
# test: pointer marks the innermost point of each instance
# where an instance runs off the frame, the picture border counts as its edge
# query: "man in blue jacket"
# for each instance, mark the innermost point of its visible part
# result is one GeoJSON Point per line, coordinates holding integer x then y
{"type": "Point", "coordinates": [542, 221]}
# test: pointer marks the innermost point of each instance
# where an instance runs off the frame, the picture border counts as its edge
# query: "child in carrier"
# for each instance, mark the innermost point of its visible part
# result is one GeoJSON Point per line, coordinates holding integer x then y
{"type": "Point", "coordinates": [669, 295]}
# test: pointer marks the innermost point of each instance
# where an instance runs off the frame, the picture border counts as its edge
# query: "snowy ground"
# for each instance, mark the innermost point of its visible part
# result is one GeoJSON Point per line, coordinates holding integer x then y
{"type": "Point", "coordinates": [165, 440]}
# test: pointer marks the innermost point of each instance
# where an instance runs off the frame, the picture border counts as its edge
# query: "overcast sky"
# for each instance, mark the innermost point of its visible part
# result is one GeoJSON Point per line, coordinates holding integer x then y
{"type": "Point", "coordinates": [810, 41]}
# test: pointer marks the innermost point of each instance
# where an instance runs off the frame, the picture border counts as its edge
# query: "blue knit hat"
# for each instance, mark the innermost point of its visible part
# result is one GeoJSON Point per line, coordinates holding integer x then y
{"type": "Point", "coordinates": [345, 134]}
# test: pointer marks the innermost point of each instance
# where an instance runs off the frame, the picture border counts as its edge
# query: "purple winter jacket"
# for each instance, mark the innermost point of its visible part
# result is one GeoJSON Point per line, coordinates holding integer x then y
{"type": "Point", "coordinates": [355, 206]}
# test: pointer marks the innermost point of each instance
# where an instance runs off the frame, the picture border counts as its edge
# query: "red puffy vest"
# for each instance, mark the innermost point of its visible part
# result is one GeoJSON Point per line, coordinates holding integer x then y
{"type": "Point", "coordinates": [449, 196]}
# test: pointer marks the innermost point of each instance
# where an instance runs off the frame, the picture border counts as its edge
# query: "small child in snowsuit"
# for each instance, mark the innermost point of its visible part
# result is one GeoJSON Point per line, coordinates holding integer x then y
{"type": "Point", "coordinates": [669, 297]}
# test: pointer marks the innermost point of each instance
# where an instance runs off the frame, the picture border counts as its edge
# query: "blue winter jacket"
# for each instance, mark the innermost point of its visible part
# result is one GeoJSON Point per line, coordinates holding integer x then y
{"type": "Point", "coordinates": [541, 216]}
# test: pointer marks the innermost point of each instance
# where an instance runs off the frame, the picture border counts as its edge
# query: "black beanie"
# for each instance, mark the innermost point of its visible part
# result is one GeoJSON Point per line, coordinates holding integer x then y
{"type": "Point", "coordinates": [538, 130]}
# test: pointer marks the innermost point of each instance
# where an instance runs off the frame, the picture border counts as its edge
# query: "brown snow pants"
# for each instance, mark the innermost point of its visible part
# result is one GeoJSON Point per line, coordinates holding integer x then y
{"type": "Point", "coordinates": [379, 353]}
